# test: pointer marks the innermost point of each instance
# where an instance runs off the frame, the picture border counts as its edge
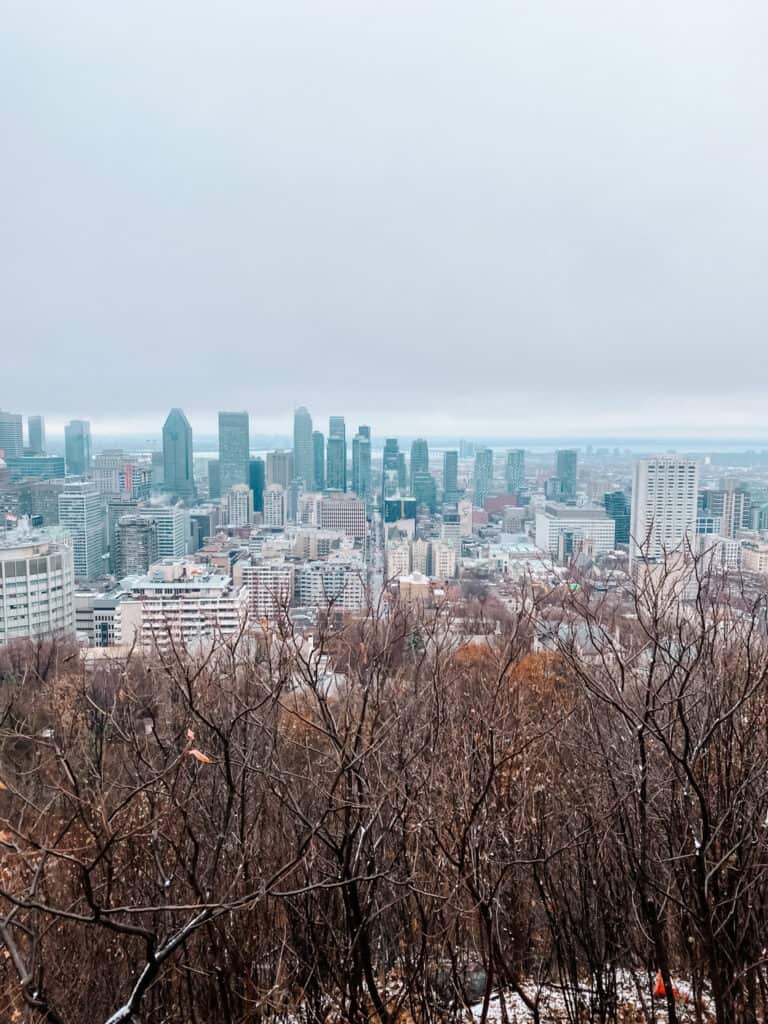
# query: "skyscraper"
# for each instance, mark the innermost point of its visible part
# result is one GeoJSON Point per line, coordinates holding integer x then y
{"type": "Point", "coordinates": [562, 487]}
{"type": "Point", "coordinates": [515, 470]}
{"type": "Point", "coordinates": [483, 475]}
{"type": "Point", "coordinates": [419, 456]}
{"type": "Point", "coordinates": [11, 434]}
{"type": "Point", "coordinates": [279, 468]}
{"type": "Point", "coordinates": [318, 459]}
{"type": "Point", "coordinates": [178, 477]}
{"type": "Point", "coordinates": [36, 431]}
{"type": "Point", "coordinates": [424, 490]}
{"type": "Point", "coordinates": [256, 481]}
{"type": "Point", "coordinates": [390, 484]}
{"type": "Point", "coordinates": [303, 455]}
{"type": "Point", "coordinates": [82, 514]}
{"type": "Point", "coordinates": [214, 479]}
{"type": "Point", "coordinates": [402, 472]}
{"type": "Point", "coordinates": [361, 463]}
{"type": "Point", "coordinates": [664, 500]}
{"type": "Point", "coordinates": [234, 449]}
{"type": "Point", "coordinates": [173, 528]}
{"type": "Point", "coordinates": [136, 545]}
{"type": "Point", "coordinates": [618, 508]}
{"type": "Point", "coordinates": [77, 449]}
{"type": "Point", "coordinates": [336, 455]}
{"type": "Point", "coordinates": [450, 477]}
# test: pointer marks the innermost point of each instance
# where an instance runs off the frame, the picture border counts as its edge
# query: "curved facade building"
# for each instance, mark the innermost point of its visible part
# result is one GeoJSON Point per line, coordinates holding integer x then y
{"type": "Point", "coordinates": [37, 586]}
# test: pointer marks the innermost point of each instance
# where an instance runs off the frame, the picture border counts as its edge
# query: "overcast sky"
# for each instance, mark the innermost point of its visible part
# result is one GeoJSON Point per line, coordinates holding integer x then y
{"type": "Point", "coordinates": [519, 218]}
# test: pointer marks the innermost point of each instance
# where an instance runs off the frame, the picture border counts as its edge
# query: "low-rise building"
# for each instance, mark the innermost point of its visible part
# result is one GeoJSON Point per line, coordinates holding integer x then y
{"type": "Point", "coordinates": [181, 600]}
{"type": "Point", "coordinates": [564, 531]}
{"type": "Point", "coordinates": [341, 585]}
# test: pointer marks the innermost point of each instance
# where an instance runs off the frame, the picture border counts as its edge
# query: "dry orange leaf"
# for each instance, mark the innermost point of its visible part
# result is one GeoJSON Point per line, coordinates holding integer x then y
{"type": "Point", "coordinates": [200, 756]}
{"type": "Point", "coordinates": [2, 785]}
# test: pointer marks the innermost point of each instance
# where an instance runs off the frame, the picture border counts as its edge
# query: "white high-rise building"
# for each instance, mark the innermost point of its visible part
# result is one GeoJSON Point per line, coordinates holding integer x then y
{"type": "Point", "coordinates": [270, 588]}
{"type": "Point", "coordinates": [664, 494]}
{"type": "Point", "coordinates": [37, 585]}
{"type": "Point", "coordinates": [398, 559]}
{"type": "Point", "coordinates": [82, 514]}
{"type": "Point", "coordinates": [420, 556]}
{"type": "Point", "coordinates": [341, 585]}
{"type": "Point", "coordinates": [239, 505]}
{"type": "Point", "coordinates": [443, 559]}
{"type": "Point", "coordinates": [465, 517]}
{"type": "Point", "coordinates": [173, 529]}
{"type": "Point", "coordinates": [346, 513]}
{"type": "Point", "coordinates": [274, 505]}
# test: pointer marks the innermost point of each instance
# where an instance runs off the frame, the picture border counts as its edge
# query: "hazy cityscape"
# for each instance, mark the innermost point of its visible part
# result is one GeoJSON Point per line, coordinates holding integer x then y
{"type": "Point", "coordinates": [384, 512]}
{"type": "Point", "coordinates": [338, 518]}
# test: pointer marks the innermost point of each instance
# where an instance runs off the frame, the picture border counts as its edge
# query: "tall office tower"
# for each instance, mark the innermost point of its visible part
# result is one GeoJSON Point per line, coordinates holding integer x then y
{"type": "Point", "coordinates": [450, 477]}
{"type": "Point", "coordinates": [336, 455]}
{"type": "Point", "coordinates": [37, 586]}
{"type": "Point", "coordinates": [256, 481]}
{"type": "Point", "coordinates": [364, 431]}
{"type": "Point", "coordinates": [274, 505]}
{"type": "Point", "coordinates": [173, 528]}
{"type": "Point", "coordinates": [178, 476]}
{"type": "Point", "coordinates": [36, 431]}
{"type": "Point", "coordinates": [293, 495]}
{"type": "Point", "coordinates": [82, 515]}
{"type": "Point", "coordinates": [483, 475]}
{"type": "Point", "coordinates": [117, 507]}
{"type": "Point", "coordinates": [731, 504]}
{"type": "Point", "coordinates": [239, 505]}
{"type": "Point", "coordinates": [41, 498]}
{"type": "Point", "coordinates": [318, 459]}
{"type": "Point", "coordinates": [337, 427]}
{"type": "Point", "coordinates": [618, 508]}
{"type": "Point", "coordinates": [361, 464]}
{"type": "Point", "coordinates": [466, 449]}
{"type": "Point", "coordinates": [11, 434]}
{"type": "Point", "coordinates": [390, 484]}
{"type": "Point", "coordinates": [234, 449]}
{"type": "Point", "coordinates": [336, 469]}
{"type": "Point", "coordinates": [158, 474]}
{"type": "Point", "coordinates": [419, 456]}
{"type": "Point", "coordinates": [515, 470]}
{"type": "Point", "coordinates": [214, 479]}
{"type": "Point", "coordinates": [279, 468]}
{"type": "Point", "coordinates": [303, 455]}
{"type": "Point", "coordinates": [664, 500]}
{"type": "Point", "coordinates": [77, 448]}
{"type": "Point", "coordinates": [563, 484]}
{"type": "Point", "coordinates": [136, 542]}
{"type": "Point", "coordinates": [424, 489]}
{"type": "Point", "coordinates": [402, 472]}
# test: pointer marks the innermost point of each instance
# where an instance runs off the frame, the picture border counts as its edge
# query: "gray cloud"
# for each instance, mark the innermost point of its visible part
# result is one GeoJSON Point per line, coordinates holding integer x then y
{"type": "Point", "coordinates": [525, 216]}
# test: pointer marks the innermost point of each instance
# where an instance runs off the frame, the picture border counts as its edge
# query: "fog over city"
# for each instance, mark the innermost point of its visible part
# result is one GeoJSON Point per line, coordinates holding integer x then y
{"type": "Point", "coordinates": [533, 219]}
